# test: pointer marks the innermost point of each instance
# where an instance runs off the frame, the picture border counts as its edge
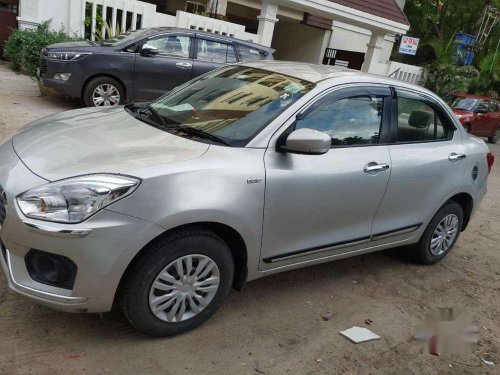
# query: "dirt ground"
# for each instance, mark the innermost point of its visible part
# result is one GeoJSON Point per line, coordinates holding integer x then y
{"type": "Point", "coordinates": [275, 325]}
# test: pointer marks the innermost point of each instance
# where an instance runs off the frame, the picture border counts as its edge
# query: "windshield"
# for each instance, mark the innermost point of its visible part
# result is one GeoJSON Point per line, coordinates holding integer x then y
{"type": "Point", "coordinates": [457, 102]}
{"type": "Point", "coordinates": [129, 36]}
{"type": "Point", "coordinates": [232, 104]}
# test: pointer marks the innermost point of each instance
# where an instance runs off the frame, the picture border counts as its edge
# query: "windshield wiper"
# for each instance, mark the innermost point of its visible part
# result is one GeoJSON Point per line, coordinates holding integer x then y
{"type": "Point", "coordinates": [155, 113]}
{"type": "Point", "coordinates": [198, 132]}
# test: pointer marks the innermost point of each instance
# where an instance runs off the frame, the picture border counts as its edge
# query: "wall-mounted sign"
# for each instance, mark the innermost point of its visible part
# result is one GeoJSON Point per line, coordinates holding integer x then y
{"type": "Point", "coordinates": [408, 45]}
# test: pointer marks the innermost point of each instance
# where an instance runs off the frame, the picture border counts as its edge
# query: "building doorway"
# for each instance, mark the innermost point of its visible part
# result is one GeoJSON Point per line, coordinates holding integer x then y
{"type": "Point", "coordinates": [8, 20]}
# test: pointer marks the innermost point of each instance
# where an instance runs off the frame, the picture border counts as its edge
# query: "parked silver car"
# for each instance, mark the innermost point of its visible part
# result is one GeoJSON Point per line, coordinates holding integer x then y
{"type": "Point", "coordinates": [247, 171]}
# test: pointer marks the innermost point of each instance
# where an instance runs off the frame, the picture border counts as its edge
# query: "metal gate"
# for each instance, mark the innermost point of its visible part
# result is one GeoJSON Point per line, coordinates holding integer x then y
{"type": "Point", "coordinates": [346, 59]}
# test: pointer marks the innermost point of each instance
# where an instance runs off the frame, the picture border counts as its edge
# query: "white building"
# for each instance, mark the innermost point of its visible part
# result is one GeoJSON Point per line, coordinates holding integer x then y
{"type": "Point", "coordinates": [356, 33]}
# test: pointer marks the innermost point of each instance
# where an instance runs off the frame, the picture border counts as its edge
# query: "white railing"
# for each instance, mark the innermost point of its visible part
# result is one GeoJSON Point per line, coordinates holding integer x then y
{"type": "Point", "coordinates": [404, 72]}
{"type": "Point", "coordinates": [146, 12]}
{"type": "Point", "coordinates": [212, 25]}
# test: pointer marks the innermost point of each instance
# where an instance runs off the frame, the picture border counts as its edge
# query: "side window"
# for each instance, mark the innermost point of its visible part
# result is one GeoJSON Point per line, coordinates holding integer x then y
{"type": "Point", "coordinates": [418, 122]}
{"type": "Point", "coordinates": [350, 121]}
{"type": "Point", "coordinates": [172, 45]}
{"type": "Point", "coordinates": [209, 50]}
{"type": "Point", "coordinates": [248, 54]}
{"type": "Point", "coordinates": [484, 106]}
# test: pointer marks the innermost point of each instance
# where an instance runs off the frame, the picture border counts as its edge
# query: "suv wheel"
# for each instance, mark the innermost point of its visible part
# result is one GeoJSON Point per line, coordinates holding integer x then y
{"type": "Point", "coordinates": [494, 139]}
{"type": "Point", "coordinates": [178, 283]}
{"type": "Point", "coordinates": [440, 235]}
{"type": "Point", "coordinates": [103, 92]}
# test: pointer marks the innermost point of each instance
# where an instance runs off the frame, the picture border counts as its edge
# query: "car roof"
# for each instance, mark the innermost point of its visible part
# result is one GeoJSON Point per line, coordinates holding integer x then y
{"type": "Point", "coordinates": [157, 30]}
{"type": "Point", "coordinates": [471, 96]}
{"type": "Point", "coordinates": [315, 72]}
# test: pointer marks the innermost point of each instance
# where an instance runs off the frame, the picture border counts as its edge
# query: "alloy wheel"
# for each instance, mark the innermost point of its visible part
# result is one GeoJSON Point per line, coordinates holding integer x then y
{"type": "Point", "coordinates": [444, 235]}
{"type": "Point", "coordinates": [184, 288]}
{"type": "Point", "coordinates": [106, 95]}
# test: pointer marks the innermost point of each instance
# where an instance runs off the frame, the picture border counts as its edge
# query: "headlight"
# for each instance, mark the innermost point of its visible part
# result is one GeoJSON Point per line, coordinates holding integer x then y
{"type": "Point", "coordinates": [75, 199]}
{"type": "Point", "coordinates": [67, 56]}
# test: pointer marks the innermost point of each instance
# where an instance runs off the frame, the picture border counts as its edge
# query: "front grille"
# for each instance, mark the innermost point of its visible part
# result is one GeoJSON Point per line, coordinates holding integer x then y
{"type": "Point", "coordinates": [44, 67]}
{"type": "Point", "coordinates": [3, 204]}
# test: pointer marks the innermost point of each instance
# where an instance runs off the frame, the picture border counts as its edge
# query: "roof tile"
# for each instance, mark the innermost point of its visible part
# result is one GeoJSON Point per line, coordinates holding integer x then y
{"type": "Point", "coordinates": [382, 8]}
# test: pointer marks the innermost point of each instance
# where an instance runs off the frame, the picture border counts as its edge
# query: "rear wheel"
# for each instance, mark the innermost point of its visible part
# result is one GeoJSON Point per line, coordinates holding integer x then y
{"type": "Point", "coordinates": [495, 137]}
{"type": "Point", "coordinates": [178, 283]}
{"type": "Point", "coordinates": [440, 235]}
{"type": "Point", "coordinates": [103, 92]}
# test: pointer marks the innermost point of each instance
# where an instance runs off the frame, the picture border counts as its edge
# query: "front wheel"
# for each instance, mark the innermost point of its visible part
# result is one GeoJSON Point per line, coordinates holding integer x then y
{"type": "Point", "coordinates": [495, 137]}
{"type": "Point", "coordinates": [103, 92]}
{"type": "Point", "coordinates": [178, 283]}
{"type": "Point", "coordinates": [440, 235]}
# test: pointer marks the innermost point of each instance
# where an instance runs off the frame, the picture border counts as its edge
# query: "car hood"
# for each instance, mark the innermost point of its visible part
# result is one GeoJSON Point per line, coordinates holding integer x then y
{"type": "Point", "coordinates": [74, 46]}
{"type": "Point", "coordinates": [98, 140]}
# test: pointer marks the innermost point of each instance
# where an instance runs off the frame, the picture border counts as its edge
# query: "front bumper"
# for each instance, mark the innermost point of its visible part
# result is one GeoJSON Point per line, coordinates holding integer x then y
{"type": "Point", "coordinates": [73, 86]}
{"type": "Point", "coordinates": [101, 247]}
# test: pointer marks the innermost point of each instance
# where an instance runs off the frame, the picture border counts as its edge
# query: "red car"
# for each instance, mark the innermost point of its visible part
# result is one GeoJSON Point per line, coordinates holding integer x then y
{"type": "Point", "coordinates": [479, 115]}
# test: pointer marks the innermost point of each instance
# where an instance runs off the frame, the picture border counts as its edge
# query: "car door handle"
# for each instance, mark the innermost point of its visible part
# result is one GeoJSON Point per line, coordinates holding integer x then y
{"type": "Point", "coordinates": [374, 167]}
{"type": "Point", "coordinates": [184, 65]}
{"type": "Point", "coordinates": [454, 156]}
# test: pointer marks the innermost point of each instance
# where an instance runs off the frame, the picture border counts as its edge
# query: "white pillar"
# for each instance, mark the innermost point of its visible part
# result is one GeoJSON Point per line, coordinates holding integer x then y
{"type": "Point", "coordinates": [218, 7]}
{"type": "Point", "coordinates": [267, 19]}
{"type": "Point", "coordinates": [373, 57]}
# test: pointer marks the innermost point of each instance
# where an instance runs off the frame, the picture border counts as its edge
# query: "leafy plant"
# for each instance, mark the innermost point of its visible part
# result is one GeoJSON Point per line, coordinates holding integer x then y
{"type": "Point", "coordinates": [109, 32]}
{"type": "Point", "coordinates": [23, 47]}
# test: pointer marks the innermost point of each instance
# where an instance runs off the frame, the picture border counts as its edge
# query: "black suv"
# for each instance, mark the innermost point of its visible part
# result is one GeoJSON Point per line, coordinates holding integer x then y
{"type": "Point", "coordinates": [141, 64]}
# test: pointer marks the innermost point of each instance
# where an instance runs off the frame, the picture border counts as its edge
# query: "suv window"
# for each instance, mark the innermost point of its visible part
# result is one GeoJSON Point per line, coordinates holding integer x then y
{"type": "Point", "coordinates": [172, 45]}
{"type": "Point", "coordinates": [210, 50]}
{"type": "Point", "coordinates": [419, 122]}
{"type": "Point", "coordinates": [350, 121]}
{"type": "Point", "coordinates": [248, 53]}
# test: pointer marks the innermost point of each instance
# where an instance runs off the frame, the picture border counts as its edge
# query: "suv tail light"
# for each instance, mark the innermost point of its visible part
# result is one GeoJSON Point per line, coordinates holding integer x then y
{"type": "Point", "coordinates": [491, 159]}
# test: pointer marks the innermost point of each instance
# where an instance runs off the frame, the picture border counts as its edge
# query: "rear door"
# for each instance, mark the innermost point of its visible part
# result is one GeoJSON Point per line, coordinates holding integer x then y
{"type": "Point", "coordinates": [212, 53]}
{"type": "Point", "coordinates": [428, 165]}
{"type": "Point", "coordinates": [171, 67]}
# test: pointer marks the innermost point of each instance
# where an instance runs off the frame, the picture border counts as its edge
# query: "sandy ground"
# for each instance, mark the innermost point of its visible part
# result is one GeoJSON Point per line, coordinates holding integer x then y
{"type": "Point", "coordinates": [273, 326]}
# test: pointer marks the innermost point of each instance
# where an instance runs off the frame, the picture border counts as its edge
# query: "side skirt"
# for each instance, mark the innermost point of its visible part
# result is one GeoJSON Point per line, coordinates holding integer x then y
{"type": "Point", "coordinates": [342, 245]}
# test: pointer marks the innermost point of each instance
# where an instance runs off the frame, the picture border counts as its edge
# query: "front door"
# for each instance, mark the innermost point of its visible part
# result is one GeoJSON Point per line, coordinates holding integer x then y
{"type": "Point", "coordinates": [8, 19]}
{"type": "Point", "coordinates": [428, 163]}
{"type": "Point", "coordinates": [212, 54]}
{"type": "Point", "coordinates": [321, 204]}
{"type": "Point", "coordinates": [171, 67]}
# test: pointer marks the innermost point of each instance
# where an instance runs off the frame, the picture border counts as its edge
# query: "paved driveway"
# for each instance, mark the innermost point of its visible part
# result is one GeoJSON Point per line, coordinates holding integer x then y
{"type": "Point", "coordinates": [275, 325]}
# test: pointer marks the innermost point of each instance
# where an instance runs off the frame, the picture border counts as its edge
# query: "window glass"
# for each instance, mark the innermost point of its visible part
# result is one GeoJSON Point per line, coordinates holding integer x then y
{"type": "Point", "coordinates": [350, 121]}
{"type": "Point", "coordinates": [494, 106]}
{"type": "Point", "coordinates": [172, 45]}
{"type": "Point", "coordinates": [458, 102]}
{"type": "Point", "coordinates": [484, 105]}
{"type": "Point", "coordinates": [418, 122]}
{"type": "Point", "coordinates": [249, 54]}
{"type": "Point", "coordinates": [209, 50]}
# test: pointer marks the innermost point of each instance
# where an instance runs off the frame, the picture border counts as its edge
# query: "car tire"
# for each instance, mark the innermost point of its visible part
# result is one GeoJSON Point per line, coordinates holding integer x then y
{"type": "Point", "coordinates": [434, 246]}
{"type": "Point", "coordinates": [139, 294]}
{"type": "Point", "coordinates": [106, 88]}
{"type": "Point", "coordinates": [495, 137]}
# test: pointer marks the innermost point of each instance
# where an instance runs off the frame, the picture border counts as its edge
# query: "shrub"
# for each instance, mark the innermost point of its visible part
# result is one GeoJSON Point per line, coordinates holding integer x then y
{"type": "Point", "coordinates": [23, 47]}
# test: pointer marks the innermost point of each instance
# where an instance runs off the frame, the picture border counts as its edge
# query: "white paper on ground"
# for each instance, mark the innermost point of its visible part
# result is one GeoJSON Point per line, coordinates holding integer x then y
{"type": "Point", "coordinates": [359, 334]}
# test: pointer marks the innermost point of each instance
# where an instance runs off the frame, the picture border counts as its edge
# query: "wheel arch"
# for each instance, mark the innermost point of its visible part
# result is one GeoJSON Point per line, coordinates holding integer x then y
{"type": "Point", "coordinates": [99, 75]}
{"type": "Point", "coordinates": [466, 201]}
{"type": "Point", "coordinates": [230, 235]}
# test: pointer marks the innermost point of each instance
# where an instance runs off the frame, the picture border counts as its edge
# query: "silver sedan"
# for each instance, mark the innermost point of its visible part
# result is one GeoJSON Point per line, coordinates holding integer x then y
{"type": "Point", "coordinates": [247, 171]}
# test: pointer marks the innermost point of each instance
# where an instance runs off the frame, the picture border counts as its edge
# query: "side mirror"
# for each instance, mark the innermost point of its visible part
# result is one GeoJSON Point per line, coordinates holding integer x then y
{"type": "Point", "coordinates": [307, 141]}
{"type": "Point", "coordinates": [149, 50]}
{"type": "Point", "coordinates": [481, 110]}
